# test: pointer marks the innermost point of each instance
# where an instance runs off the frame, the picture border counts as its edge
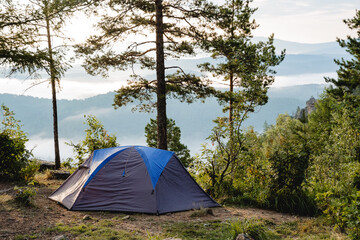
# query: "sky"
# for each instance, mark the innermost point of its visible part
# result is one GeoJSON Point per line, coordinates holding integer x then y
{"type": "Point", "coordinates": [304, 21]}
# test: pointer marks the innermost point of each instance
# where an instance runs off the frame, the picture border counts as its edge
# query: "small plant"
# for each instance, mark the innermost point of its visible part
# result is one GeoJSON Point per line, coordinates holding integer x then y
{"type": "Point", "coordinates": [96, 138]}
{"type": "Point", "coordinates": [254, 229]}
{"type": "Point", "coordinates": [28, 172]}
{"type": "Point", "coordinates": [68, 163]}
{"type": "Point", "coordinates": [24, 195]}
{"type": "Point", "coordinates": [202, 212]}
{"type": "Point", "coordinates": [48, 174]}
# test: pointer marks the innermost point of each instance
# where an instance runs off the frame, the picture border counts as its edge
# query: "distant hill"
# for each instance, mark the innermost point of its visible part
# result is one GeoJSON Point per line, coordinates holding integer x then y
{"type": "Point", "coordinates": [195, 120]}
{"type": "Point", "coordinates": [300, 59]}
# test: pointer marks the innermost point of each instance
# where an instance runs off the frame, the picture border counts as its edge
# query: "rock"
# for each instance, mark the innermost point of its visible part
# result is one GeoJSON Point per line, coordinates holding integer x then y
{"type": "Point", "coordinates": [60, 237]}
{"type": "Point", "coordinates": [59, 174]}
{"type": "Point", "coordinates": [87, 217]}
{"type": "Point", "coordinates": [243, 236]}
{"type": "Point", "coordinates": [210, 212]}
{"type": "Point", "coordinates": [46, 165]}
{"type": "Point", "coordinates": [126, 217]}
{"type": "Point", "coordinates": [302, 113]}
{"type": "Point", "coordinates": [310, 105]}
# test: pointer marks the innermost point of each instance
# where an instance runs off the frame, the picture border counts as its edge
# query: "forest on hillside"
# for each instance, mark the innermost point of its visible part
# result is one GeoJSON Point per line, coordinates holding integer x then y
{"type": "Point", "coordinates": [308, 166]}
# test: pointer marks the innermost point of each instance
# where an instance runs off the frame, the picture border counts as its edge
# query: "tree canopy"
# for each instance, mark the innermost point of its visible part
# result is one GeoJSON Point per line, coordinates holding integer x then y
{"type": "Point", "coordinates": [145, 34]}
{"type": "Point", "coordinates": [348, 80]}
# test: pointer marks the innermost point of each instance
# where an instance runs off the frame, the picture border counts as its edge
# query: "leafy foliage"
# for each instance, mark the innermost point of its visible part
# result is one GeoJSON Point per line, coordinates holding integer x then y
{"type": "Point", "coordinates": [96, 138]}
{"type": "Point", "coordinates": [14, 156]}
{"type": "Point", "coordinates": [171, 29]}
{"type": "Point", "coordinates": [24, 195]}
{"type": "Point", "coordinates": [246, 68]}
{"type": "Point", "coordinates": [30, 25]}
{"type": "Point", "coordinates": [288, 153]}
{"type": "Point", "coordinates": [173, 136]}
{"type": "Point", "coordinates": [347, 82]}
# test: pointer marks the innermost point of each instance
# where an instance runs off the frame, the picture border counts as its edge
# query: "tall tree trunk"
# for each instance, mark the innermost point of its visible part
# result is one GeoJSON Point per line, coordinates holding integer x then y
{"type": "Point", "coordinates": [231, 104]}
{"type": "Point", "coordinates": [160, 75]}
{"type": "Point", "coordinates": [53, 90]}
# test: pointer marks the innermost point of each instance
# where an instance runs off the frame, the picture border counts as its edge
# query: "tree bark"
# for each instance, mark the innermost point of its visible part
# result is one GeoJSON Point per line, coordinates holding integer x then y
{"type": "Point", "coordinates": [231, 105]}
{"type": "Point", "coordinates": [53, 90]}
{"type": "Point", "coordinates": [160, 76]}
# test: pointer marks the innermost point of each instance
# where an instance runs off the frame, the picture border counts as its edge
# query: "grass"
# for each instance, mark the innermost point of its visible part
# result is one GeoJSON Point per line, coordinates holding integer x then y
{"type": "Point", "coordinates": [211, 230]}
{"type": "Point", "coordinates": [98, 231]}
{"type": "Point", "coordinates": [201, 212]}
{"type": "Point", "coordinates": [311, 229]}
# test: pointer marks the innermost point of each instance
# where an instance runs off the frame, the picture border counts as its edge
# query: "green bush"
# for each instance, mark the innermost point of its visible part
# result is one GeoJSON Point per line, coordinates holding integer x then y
{"type": "Point", "coordinates": [24, 195]}
{"type": "Point", "coordinates": [294, 202]}
{"type": "Point", "coordinates": [28, 172]}
{"type": "Point", "coordinates": [14, 157]}
{"type": "Point", "coordinates": [96, 138]}
{"type": "Point", "coordinates": [288, 152]}
{"type": "Point", "coordinates": [343, 211]}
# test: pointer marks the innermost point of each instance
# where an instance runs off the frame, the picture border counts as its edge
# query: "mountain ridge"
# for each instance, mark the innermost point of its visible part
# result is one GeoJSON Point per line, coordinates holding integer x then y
{"type": "Point", "coordinates": [195, 120]}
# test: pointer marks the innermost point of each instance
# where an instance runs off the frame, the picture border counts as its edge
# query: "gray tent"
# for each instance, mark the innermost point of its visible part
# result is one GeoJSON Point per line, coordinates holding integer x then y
{"type": "Point", "coordinates": [132, 179]}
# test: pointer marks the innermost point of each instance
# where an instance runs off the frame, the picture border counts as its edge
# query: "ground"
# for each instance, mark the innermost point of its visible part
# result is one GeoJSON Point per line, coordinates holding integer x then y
{"type": "Point", "coordinates": [46, 219]}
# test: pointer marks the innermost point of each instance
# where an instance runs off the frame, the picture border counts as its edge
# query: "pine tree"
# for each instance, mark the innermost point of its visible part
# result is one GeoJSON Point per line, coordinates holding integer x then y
{"type": "Point", "coordinates": [30, 26]}
{"type": "Point", "coordinates": [245, 66]}
{"type": "Point", "coordinates": [158, 31]}
{"type": "Point", "coordinates": [16, 38]}
{"type": "Point", "coordinates": [348, 80]}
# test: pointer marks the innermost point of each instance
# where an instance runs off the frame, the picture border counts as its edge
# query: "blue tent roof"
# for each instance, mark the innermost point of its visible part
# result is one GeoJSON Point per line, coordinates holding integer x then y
{"type": "Point", "coordinates": [155, 160]}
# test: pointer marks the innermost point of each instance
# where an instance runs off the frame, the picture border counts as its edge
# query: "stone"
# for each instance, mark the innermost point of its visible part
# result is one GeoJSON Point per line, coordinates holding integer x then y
{"type": "Point", "coordinates": [60, 237]}
{"type": "Point", "coordinates": [243, 236]}
{"type": "Point", "coordinates": [310, 105]}
{"type": "Point", "coordinates": [303, 113]}
{"type": "Point", "coordinates": [126, 217]}
{"type": "Point", "coordinates": [44, 165]}
{"type": "Point", "coordinates": [210, 212]}
{"type": "Point", "coordinates": [59, 174]}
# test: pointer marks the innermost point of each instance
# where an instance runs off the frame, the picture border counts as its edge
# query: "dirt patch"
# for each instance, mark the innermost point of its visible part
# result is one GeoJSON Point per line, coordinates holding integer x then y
{"type": "Point", "coordinates": [36, 221]}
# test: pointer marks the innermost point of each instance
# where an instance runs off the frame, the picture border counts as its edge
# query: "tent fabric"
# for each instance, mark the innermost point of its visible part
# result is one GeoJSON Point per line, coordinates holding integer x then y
{"type": "Point", "coordinates": [132, 179]}
{"type": "Point", "coordinates": [155, 160]}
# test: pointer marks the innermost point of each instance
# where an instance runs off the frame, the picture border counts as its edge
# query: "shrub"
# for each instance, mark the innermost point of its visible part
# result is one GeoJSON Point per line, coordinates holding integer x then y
{"type": "Point", "coordinates": [13, 154]}
{"type": "Point", "coordinates": [28, 172]}
{"type": "Point", "coordinates": [294, 202]}
{"type": "Point", "coordinates": [96, 138]}
{"type": "Point", "coordinates": [343, 211]}
{"type": "Point", "coordinates": [24, 195]}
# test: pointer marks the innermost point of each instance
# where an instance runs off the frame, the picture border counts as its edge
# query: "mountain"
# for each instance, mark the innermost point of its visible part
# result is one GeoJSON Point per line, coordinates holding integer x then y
{"type": "Point", "coordinates": [195, 120]}
{"type": "Point", "coordinates": [300, 59]}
